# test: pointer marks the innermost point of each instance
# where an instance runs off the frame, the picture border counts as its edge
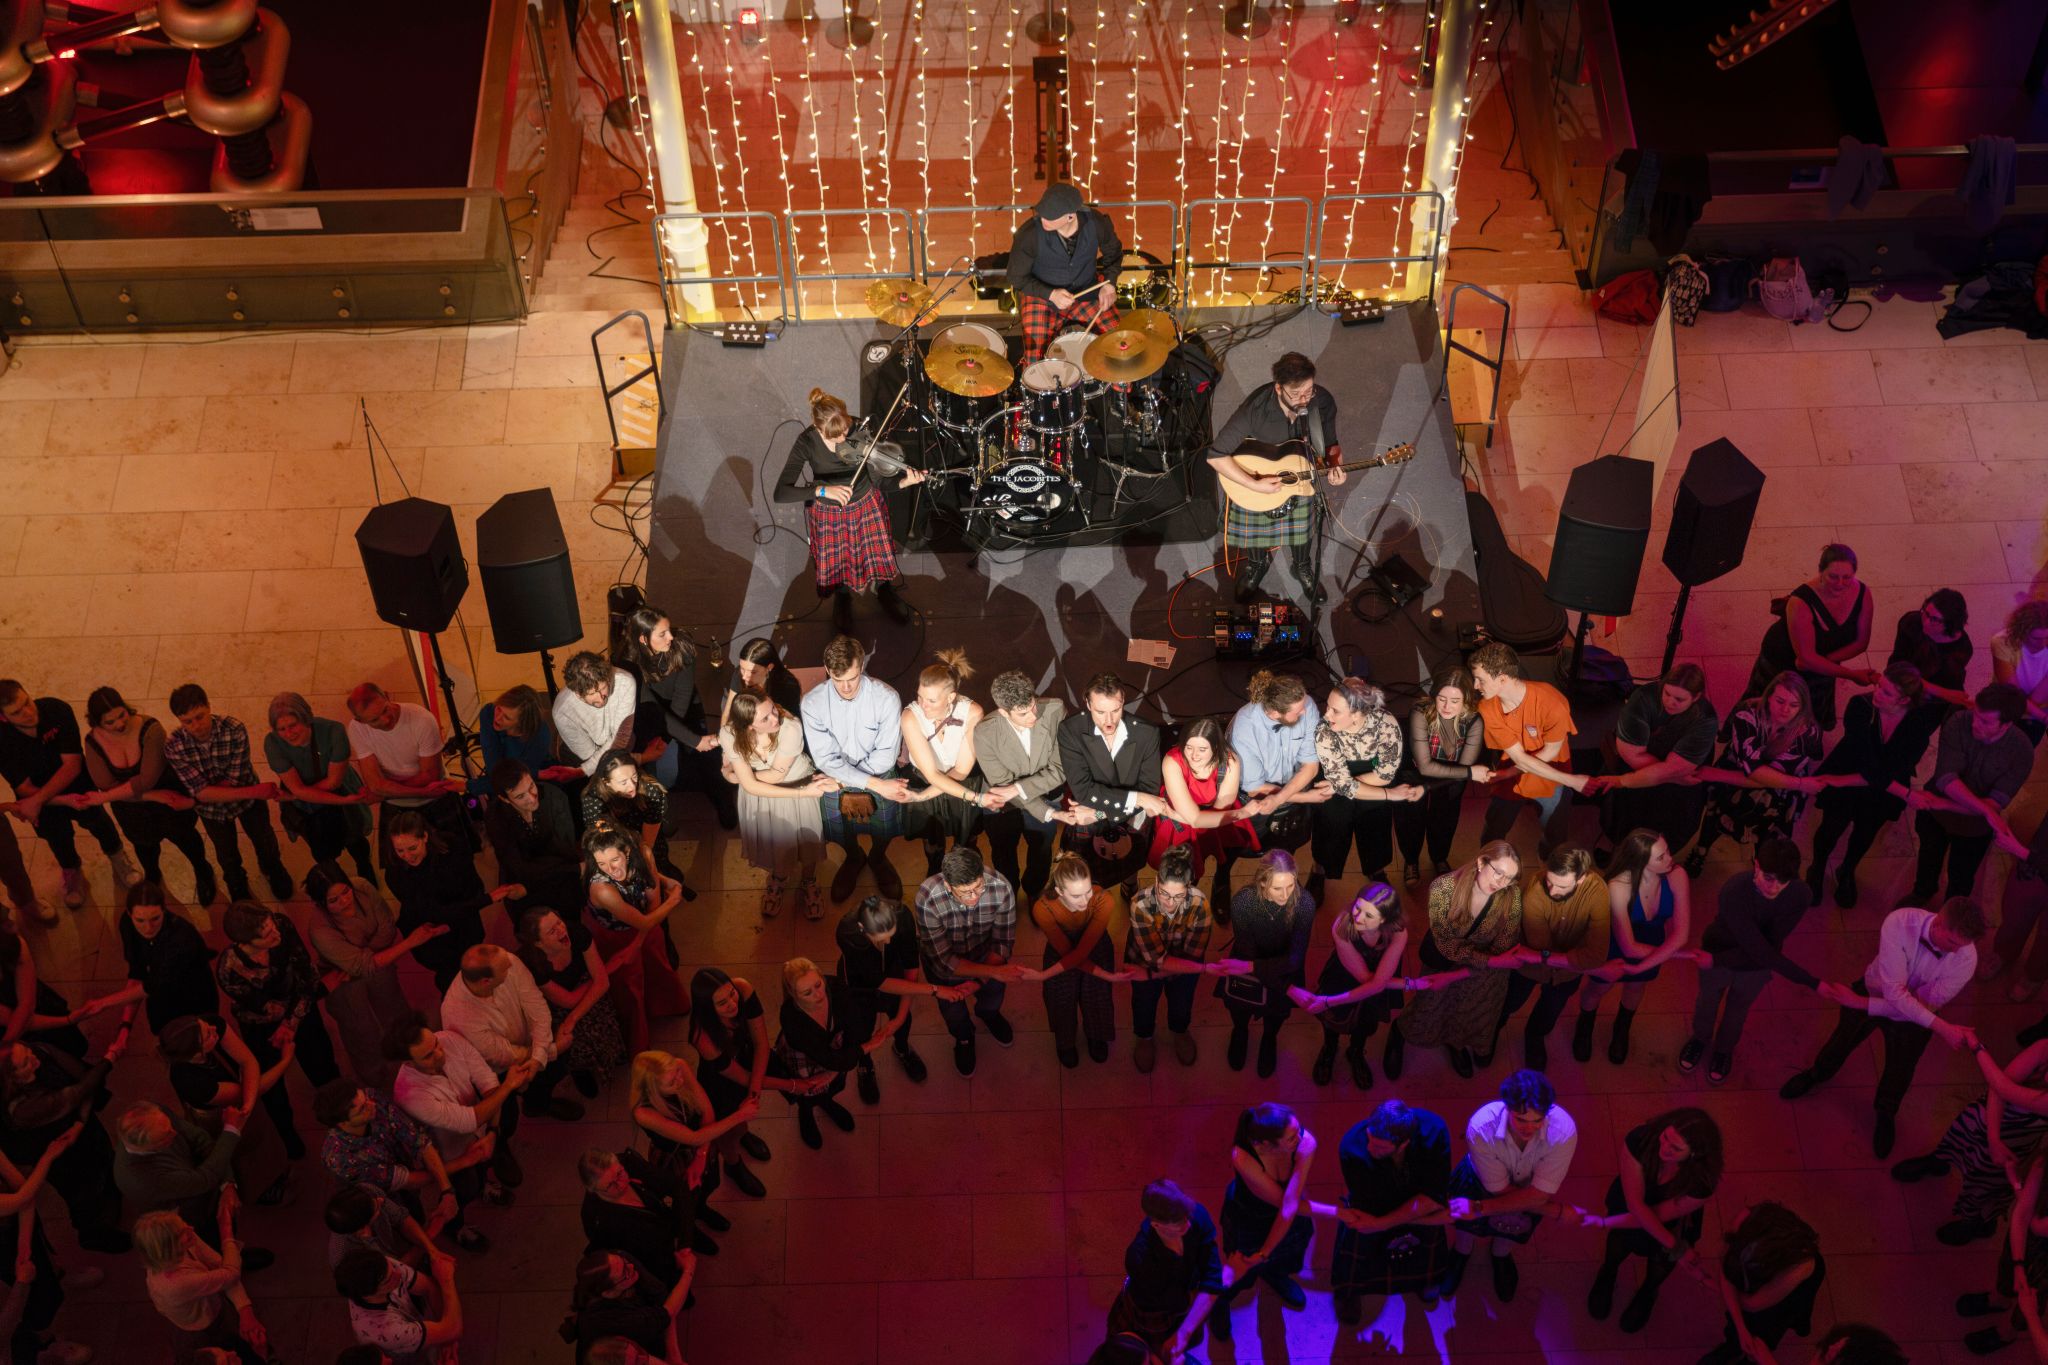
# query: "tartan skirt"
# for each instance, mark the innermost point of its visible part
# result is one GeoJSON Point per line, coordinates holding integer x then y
{"type": "Point", "coordinates": [851, 545]}
{"type": "Point", "coordinates": [1512, 1227]}
{"type": "Point", "coordinates": [885, 823]}
{"type": "Point", "coordinates": [1096, 1001]}
{"type": "Point", "coordinates": [1246, 530]}
{"type": "Point", "coordinates": [1400, 1260]}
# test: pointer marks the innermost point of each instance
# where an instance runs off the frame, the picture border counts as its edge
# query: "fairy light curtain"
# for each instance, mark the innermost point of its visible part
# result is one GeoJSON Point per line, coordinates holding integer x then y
{"type": "Point", "coordinates": [928, 106]}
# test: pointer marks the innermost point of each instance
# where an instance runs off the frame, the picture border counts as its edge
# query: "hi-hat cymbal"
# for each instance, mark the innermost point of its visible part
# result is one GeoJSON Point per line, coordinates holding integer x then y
{"type": "Point", "coordinates": [896, 302]}
{"type": "Point", "coordinates": [970, 371]}
{"type": "Point", "coordinates": [1125, 356]}
{"type": "Point", "coordinates": [1149, 320]}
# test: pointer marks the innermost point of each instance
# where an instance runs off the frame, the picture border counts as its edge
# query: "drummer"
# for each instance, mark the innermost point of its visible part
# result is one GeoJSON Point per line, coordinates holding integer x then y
{"type": "Point", "coordinates": [1292, 407]}
{"type": "Point", "coordinates": [1054, 259]}
{"type": "Point", "coordinates": [851, 546]}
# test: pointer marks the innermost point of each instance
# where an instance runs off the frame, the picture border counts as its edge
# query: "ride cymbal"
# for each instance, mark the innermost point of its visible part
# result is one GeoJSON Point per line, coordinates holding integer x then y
{"type": "Point", "coordinates": [896, 302]}
{"type": "Point", "coordinates": [1125, 356]}
{"type": "Point", "coordinates": [970, 371]}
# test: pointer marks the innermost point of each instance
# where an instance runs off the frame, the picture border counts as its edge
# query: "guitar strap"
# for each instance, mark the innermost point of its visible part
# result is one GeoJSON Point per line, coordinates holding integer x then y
{"type": "Point", "coordinates": [1316, 442]}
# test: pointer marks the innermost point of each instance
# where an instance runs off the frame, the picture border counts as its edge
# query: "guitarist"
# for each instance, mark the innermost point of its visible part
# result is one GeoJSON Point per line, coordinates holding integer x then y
{"type": "Point", "coordinates": [1292, 407]}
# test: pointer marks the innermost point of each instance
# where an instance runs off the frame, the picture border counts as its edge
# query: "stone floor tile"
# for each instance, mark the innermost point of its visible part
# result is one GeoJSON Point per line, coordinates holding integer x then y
{"type": "Point", "coordinates": [1927, 375]}
{"type": "Point", "coordinates": [1810, 379]}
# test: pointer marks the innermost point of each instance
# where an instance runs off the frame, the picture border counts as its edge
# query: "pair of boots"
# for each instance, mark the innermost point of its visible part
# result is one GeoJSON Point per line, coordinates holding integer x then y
{"type": "Point", "coordinates": [893, 602]}
{"type": "Point", "coordinates": [1617, 1043]}
{"type": "Point", "coordinates": [886, 880]}
{"type": "Point", "coordinates": [1251, 569]}
{"type": "Point", "coordinates": [1354, 1055]}
{"type": "Point", "coordinates": [1636, 1314]}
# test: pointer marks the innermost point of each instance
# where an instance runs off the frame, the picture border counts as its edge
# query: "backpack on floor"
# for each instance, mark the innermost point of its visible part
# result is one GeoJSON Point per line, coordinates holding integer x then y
{"type": "Point", "coordinates": [1784, 293]}
{"type": "Point", "coordinates": [1728, 281]}
{"type": "Point", "coordinates": [1631, 297]}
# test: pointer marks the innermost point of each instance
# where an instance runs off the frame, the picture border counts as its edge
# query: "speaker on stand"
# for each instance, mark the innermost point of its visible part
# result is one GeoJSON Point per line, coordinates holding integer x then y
{"type": "Point", "coordinates": [529, 587]}
{"type": "Point", "coordinates": [1602, 530]}
{"type": "Point", "coordinates": [1710, 522]}
{"type": "Point", "coordinates": [413, 561]}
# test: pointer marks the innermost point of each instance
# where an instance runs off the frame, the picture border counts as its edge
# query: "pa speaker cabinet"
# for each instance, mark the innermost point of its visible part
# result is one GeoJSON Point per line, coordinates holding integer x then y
{"type": "Point", "coordinates": [1602, 530]}
{"type": "Point", "coordinates": [1710, 522]}
{"type": "Point", "coordinates": [414, 563]}
{"type": "Point", "coordinates": [524, 562]}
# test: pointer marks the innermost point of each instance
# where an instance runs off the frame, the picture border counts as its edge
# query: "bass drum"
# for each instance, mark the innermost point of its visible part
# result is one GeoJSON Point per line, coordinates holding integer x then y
{"type": "Point", "coordinates": [1053, 397]}
{"type": "Point", "coordinates": [1025, 491]}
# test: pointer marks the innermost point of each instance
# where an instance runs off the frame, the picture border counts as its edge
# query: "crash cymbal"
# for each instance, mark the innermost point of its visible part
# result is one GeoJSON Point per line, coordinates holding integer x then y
{"type": "Point", "coordinates": [896, 302]}
{"type": "Point", "coordinates": [1149, 320]}
{"type": "Point", "coordinates": [1125, 356]}
{"type": "Point", "coordinates": [970, 371]}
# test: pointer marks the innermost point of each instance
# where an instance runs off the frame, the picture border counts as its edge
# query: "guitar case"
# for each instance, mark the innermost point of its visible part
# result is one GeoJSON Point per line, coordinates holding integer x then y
{"type": "Point", "coordinates": [1511, 596]}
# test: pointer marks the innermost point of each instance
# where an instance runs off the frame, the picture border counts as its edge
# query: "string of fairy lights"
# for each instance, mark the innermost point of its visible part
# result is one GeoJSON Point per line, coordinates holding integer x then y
{"type": "Point", "coordinates": [1351, 102]}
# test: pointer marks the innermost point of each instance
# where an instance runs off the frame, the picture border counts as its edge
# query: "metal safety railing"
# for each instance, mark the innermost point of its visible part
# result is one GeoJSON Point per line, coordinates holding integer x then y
{"type": "Point", "coordinates": [912, 251]}
{"type": "Point", "coordinates": [925, 242]}
{"type": "Point", "coordinates": [1432, 256]}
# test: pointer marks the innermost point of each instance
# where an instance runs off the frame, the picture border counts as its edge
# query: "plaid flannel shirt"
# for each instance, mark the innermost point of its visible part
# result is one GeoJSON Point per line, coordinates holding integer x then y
{"type": "Point", "coordinates": [1158, 933]}
{"type": "Point", "coordinates": [948, 930]}
{"type": "Point", "coordinates": [220, 760]}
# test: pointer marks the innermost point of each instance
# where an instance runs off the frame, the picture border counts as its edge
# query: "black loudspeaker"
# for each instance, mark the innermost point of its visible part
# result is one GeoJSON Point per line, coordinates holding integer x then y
{"type": "Point", "coordinates": [414, 563]}
{"type": "Point", "coordinates": [1710, 522]}
{"type": "Point", "coordinates": [524, 563]}
{"type": "Point", "coordinates": [1602, 530]}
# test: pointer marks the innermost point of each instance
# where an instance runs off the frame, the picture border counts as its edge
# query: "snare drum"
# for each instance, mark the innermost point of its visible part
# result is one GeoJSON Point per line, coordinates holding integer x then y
{"type": "Point", "coordinates": [1053, 400]}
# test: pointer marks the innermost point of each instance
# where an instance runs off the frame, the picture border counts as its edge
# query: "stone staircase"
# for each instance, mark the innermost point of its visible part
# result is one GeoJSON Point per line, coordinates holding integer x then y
{"type": "Point", "coordinates": [575, 280]}
{"type": "Point", "coordinates": [1504, 234]}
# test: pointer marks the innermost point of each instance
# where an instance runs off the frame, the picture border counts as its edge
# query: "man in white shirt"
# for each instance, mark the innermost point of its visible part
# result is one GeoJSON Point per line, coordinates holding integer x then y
{"type": "Point", "coordinates": [593, 712]}
{"type": "Point", "coordinates": [1923, 961]}
{"type": "Point", "coordinates": [853, 726]}
{"type": "Point", "coordinates": [499, 1010]}
{"type": "Point", "coordinates": [452, 1091]}
{"type": "Point", "coordinates": [396, 749]}
{"type": "Point", "coordinates": [1518, 1149]}
{"type": "Point", "coordinates": [398, 1309]}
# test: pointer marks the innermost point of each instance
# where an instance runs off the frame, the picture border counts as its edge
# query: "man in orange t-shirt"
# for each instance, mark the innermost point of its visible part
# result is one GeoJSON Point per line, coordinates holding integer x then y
{"type": "Point", "coordinates": [1530, 725]}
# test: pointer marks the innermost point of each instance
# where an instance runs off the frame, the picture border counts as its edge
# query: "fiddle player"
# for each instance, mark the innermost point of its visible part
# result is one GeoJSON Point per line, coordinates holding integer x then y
{"type": "Point", "coordinates": [851, 546]}
{"type": "Point", "coordinates": [1293, 407]}
{"type": "Point", "coordinates": [1056, 260]}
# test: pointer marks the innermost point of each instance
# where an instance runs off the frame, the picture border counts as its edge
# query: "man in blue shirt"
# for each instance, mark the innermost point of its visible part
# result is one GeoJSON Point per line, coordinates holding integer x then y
{"type": "Point", "coordinates": [1274, 736]}
{"type": "Point", "coordinates": [853, 726]}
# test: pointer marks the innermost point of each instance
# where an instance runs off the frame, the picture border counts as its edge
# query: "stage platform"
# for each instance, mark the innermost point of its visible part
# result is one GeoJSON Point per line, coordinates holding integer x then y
{"type": "Point", "coordinates": [731, 564]}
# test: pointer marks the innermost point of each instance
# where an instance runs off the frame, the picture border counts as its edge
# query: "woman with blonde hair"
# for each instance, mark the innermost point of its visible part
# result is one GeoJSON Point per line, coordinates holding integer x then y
{"type": "Point", "coordinates": [825, 1034]}
{"type": "Point", "coordinates": [193, 1285]}
{"type": "Point", "coordinates": [1475, 915]}
{"type": "Point", "coordinates": [938, 746]}
{"type": "Point", "coordinates": [671, 1110]}
{"type": "Point", "coordinates": [1269, 922]}
{"type": "Point", "coordinates": [781, 830]}
{"type": "Point", "coordinates": [852, 549]}
{"type": "Point", "coordinates": [1759, 785]}
{"type": "Point", "coordinates": [2019, 655]}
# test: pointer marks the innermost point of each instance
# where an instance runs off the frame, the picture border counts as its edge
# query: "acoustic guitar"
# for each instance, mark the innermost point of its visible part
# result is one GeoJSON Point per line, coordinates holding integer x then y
{"type": "Point", "coordinates": [1292, 464]}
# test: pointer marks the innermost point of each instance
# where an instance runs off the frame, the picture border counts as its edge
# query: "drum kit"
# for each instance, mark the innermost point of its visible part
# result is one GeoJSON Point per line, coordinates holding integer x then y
{"type": "Point", "coordinates": [1024, 438]}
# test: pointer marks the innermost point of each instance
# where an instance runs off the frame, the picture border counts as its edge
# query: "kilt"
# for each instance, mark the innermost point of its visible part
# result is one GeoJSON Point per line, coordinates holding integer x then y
{"type": "Point", "coordinates": [851, 545]}
{"type": "Point", "coordinates": [1511, 1227]}
{"type": "Point", "coordinates": [1092, 994]}
{"type": "Point", "coordinates": [1245, 530]}
{"type": "Point", "coordinates": [1042, 322]}
{"type": "Point", "coordinates": [945, 816]}
{"type": "Point", "coordinates": [885, 823]}
{"type": "Point", "coordinates": [1398, 1261]}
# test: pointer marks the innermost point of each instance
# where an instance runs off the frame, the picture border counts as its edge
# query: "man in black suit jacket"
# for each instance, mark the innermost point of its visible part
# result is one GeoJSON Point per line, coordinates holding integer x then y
{"type": "Point", "coordinates": [1112, 767]}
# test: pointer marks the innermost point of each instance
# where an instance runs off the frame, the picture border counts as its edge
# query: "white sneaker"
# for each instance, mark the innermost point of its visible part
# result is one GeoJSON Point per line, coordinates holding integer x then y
{"type": "Point", "coordinates": [126, 873]}
{"type": "Point", "coordinates": [65, 1353]}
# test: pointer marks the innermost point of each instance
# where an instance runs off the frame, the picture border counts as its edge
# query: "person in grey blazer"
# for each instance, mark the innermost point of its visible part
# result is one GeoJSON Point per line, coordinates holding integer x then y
{"type": "Point", "coordinates": [1017, 745]}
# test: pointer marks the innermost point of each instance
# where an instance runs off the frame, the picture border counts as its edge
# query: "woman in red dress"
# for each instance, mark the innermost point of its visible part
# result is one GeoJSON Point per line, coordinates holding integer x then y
{"type": "Point", "coordinates": [1199, 780]}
